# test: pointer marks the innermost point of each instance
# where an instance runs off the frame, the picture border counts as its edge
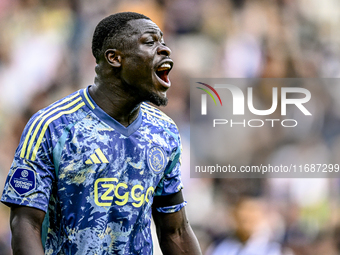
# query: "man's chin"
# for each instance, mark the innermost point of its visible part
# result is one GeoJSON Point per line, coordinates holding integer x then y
{"type": "Point", "coordinates": [158, 100]}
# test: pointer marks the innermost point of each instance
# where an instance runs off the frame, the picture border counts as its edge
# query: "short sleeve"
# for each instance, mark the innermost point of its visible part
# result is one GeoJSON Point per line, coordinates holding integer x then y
{"type": "Point", "coordinates": [31, 175]}
{"type": "Point", "coordinates": [171, 182]}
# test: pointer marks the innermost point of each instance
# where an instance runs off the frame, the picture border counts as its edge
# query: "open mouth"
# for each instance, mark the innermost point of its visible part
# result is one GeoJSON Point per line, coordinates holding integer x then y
{"type": "Point", "coordinates": [163, 72]}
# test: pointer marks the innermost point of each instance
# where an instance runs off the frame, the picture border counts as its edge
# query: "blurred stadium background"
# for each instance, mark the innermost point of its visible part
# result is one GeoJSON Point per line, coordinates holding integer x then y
{"type": "Point", "coordinates": [45, 53]}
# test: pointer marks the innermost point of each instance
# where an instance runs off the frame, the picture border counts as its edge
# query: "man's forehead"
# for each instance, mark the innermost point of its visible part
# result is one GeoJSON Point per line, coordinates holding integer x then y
{"type": "Point", "coordinates": [144, 26]}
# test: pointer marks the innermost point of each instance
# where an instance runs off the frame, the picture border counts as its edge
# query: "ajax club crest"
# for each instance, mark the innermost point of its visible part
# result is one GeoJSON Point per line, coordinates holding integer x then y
{"type": "Point", "coordinates": [156, 159]}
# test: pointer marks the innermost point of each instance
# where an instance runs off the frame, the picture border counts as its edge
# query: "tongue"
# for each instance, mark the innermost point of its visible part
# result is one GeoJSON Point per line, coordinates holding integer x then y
{"type": "Point", "coordinates": [163, 75]}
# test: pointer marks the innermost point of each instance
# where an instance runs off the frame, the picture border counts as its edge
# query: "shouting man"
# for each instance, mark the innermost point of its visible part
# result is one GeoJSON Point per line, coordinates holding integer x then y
{"type": "Point", "coordinates": [92, 168]}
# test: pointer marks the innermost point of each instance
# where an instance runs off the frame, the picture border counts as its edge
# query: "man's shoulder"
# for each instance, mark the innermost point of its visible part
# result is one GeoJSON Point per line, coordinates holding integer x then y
{"type": "Point", "coordinates": [62, 102]}
{"type": "Point", "coordinates": [157, 115]}
{"type": "Point", "coordinates": [64, 106]}
{"type": "Point", "coordinates": [59, 114]}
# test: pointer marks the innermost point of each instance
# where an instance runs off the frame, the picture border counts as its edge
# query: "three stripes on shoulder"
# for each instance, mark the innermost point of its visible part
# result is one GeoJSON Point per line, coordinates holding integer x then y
{"type": "Point", "coordinates": [74, 103]}
{"type": "Point", "coordinates": [153, 111]}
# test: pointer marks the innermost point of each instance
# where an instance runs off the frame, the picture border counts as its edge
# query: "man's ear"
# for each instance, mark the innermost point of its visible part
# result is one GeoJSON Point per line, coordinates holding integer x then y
{"type": "Point", "coordinates": [113, 57]}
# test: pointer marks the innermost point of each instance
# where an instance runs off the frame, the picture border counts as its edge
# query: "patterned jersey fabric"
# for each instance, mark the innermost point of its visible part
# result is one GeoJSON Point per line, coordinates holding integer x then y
{"type": "Point", "coordinates": [95, 178]}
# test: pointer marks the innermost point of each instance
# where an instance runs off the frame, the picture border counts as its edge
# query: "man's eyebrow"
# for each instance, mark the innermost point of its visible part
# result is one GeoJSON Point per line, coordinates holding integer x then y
{"type": "Point", "coordinates": [153, 32]}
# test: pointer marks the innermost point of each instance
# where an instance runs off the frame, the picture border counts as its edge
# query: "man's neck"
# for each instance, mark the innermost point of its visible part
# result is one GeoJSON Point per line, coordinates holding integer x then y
{"type": "Point", "coordinates": [115, 102]}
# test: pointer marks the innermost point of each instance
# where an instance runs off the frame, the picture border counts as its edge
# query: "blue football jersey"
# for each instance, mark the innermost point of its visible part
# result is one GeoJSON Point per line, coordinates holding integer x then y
{"type": "Point", "coordinates": [95, 178]}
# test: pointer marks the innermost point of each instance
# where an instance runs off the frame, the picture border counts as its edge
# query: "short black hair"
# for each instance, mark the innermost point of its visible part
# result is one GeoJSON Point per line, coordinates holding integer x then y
{"type": "Point", "coordinates": [109, 30]}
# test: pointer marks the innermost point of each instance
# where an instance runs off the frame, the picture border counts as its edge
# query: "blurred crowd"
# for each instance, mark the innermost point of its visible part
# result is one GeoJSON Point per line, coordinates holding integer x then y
{"type": "Point", "coordinates": [45, 53]}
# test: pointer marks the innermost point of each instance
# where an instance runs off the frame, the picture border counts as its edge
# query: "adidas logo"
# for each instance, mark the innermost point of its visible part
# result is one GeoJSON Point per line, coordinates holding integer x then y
{"type": "Point", "coordinates": [97, 158]}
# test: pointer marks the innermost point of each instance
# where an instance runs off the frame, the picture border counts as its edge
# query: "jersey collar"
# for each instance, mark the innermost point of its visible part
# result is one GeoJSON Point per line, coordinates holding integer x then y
{"type": "Point", "coordinates": [126, 131]}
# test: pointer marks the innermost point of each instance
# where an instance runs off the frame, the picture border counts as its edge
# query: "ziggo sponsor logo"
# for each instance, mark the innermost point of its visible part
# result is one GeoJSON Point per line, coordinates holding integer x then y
{"type": "Point", "coordinates": [105, 190]}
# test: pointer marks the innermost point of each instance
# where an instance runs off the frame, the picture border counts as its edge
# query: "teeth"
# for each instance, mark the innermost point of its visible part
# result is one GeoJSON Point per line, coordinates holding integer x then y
{"type": "Point", "coordinates": [164, 67]}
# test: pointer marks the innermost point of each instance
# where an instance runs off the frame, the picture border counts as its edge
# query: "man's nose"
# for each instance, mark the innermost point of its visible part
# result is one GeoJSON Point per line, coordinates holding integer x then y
{"type": "Point", "coordinates": [164, 50]}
